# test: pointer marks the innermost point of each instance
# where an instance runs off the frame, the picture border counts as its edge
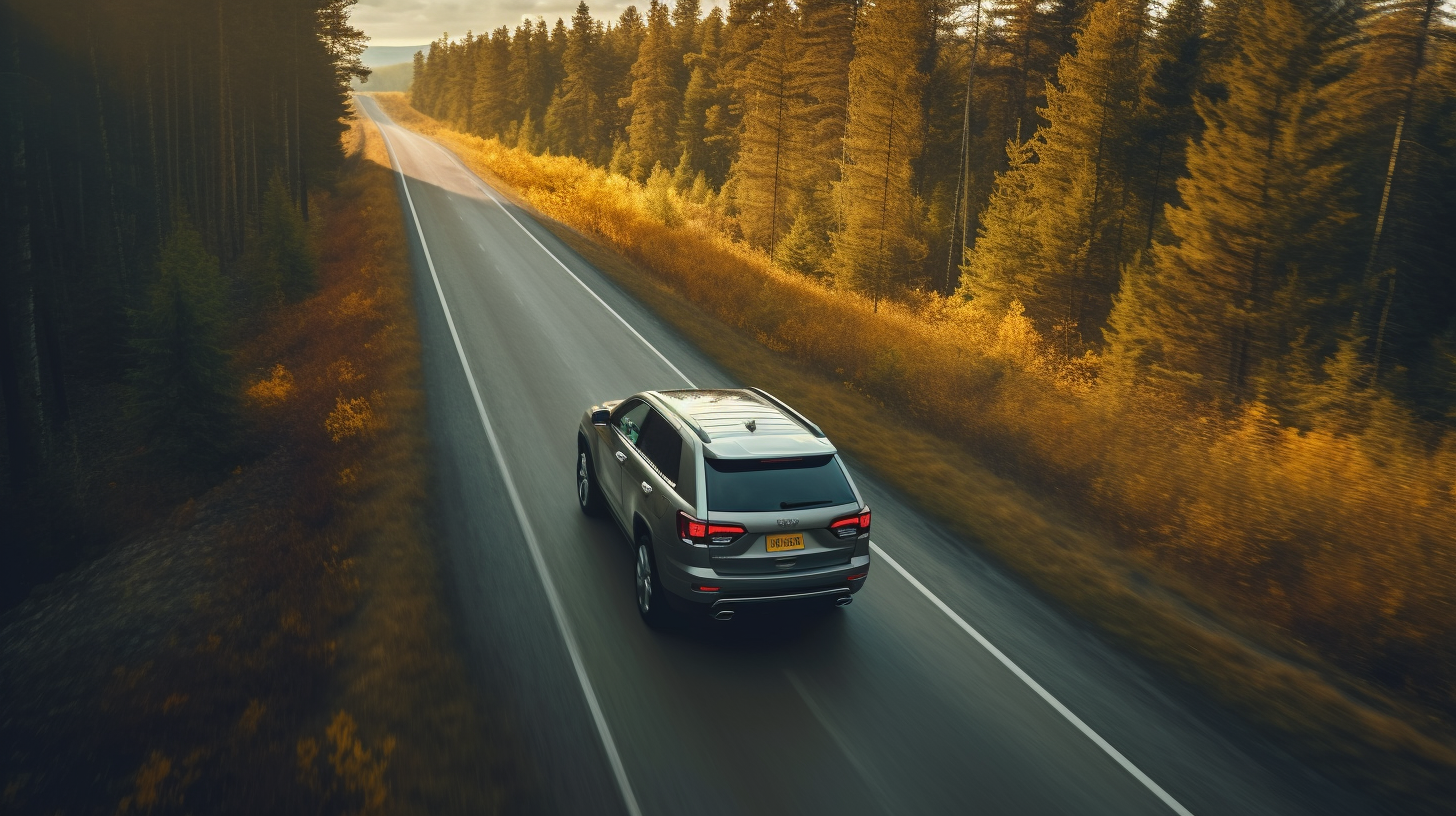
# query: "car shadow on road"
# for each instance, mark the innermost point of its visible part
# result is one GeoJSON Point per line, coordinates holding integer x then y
{"type": "Point", "coordinates": [769, 627]}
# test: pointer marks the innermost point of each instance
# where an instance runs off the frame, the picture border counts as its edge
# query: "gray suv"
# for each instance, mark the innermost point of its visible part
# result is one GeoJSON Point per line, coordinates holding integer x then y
{"type": "Point", "coordinates": [729, 497]}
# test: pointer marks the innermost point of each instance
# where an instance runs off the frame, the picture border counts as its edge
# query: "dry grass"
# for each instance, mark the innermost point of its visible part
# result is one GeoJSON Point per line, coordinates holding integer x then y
{"type": "Point", "coordinates": [1269, 530]}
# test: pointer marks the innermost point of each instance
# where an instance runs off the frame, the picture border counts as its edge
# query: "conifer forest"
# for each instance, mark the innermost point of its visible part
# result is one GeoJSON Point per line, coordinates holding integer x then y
{"type": "Point", "coordinates": [1187, 265]}
{"type": "Point", "coordinates": [160, 159]}
{"type": "Point", "coordinates": [1241, 200]}
{"type": "Point", "coordinates": [1135, 320]}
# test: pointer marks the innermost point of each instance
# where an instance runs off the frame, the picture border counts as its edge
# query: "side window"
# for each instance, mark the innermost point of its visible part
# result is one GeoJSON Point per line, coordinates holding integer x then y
{"type": "Point", "coordinates": [629, 417]}
{"type": "Point", "coordinates": [660, 443]}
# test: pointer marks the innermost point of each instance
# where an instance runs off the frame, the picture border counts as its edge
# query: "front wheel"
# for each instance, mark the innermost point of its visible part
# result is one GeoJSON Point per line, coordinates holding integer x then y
{"type": "Point", "coordinates": [651, 600]}
{"type": "Point", "coordinates": [588, 490]}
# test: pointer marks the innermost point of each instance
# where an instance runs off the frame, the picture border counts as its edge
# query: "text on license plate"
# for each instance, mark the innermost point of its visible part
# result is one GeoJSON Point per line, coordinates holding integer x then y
{"type": "Point", "coordinates": [780, 542]}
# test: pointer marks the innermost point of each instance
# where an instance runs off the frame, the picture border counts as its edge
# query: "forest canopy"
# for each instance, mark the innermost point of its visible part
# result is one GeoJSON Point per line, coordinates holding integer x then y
{"type": "Point", "coordinates": [123, 124]}
{"type": "Point", "coordinates": [1241, 200]}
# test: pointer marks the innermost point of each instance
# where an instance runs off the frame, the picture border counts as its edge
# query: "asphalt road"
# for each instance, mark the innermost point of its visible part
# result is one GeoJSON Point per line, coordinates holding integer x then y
{"type": "Point", "coordinates": [946, 687]}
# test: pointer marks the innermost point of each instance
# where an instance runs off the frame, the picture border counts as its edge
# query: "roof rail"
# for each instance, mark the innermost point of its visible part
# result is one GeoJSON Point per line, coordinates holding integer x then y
{"type": "Point", "coordinates": [795, 415]}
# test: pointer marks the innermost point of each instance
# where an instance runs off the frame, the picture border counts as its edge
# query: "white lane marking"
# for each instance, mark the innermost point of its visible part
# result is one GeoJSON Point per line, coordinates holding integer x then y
{"type": "Point", "coordinates": [598, 717]}
{"type": "Point", "coordinates": [1036, 687]}
{"type": "Point", "coordinates": [1056, 704]}
{"type": "Point", "coordinates": [485, 189]}
{"type": "Point", "coordinates": [872, 780]}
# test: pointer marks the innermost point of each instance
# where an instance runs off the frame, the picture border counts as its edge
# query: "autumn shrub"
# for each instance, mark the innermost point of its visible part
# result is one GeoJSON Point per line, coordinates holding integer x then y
{"type": "Point", "coordinates": [1336, 537]}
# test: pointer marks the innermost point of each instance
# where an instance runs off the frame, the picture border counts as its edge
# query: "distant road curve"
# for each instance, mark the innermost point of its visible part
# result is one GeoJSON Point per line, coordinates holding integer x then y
{"type": "Point", "coordinates": [945, 688]}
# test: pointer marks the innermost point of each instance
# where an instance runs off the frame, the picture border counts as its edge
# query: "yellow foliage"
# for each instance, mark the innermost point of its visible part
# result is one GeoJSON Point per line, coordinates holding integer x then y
{"type": "Point", "coordinates": [273, 390]}
{"type": "Point", "coordinates": [354, 768]}
{"type": "Point", "coordinates": [248, 723]}
{"type": "Point", "coordinates": [352, 417]}
{"type": "Point", "coordinates": [344, 372]}
{"type": "Point", "coordinates": [1337, 537]}
{"type": "Point", "coordinates": [149, 779]}
{"type": "Point", "coordinates": [355, 304]}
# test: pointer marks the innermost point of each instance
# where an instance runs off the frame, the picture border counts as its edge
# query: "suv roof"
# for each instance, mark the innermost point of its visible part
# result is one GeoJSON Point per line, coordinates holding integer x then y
{"type": "Point", "coordinates": [742, 422]}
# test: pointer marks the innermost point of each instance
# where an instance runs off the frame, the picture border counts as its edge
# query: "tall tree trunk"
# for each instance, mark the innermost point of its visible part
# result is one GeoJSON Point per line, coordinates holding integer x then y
{"type": "Point", "coordinates": [960, 215]}
{"type": "Point", "coordinates": [20, 380]}
{"type": "Point", "coordinates": [1405, 111]}
{"type": "Point", "coordinates": [113, 203]}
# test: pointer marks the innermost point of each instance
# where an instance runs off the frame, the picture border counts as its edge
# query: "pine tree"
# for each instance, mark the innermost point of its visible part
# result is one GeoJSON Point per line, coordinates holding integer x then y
{"type": "Point", "coordinates": [1167, 120]}
{"type": "Point", "coordinates": [768, 143]}
{"type": "Point", "coordinates": [574, 124]}
{"type": "Point", "coordinates": [819, 80]}
{"type": "Point", "coordinates": [1263, 205]}
{"type": "Point", "coordinates": [459, 86]}
{"type": "Point", "coordinates": [426, 91]}
{"type": "Point", "coordinates": [182, 388]}
{"type": "Point", "coordinates": [1402, 100]}
{"type": "Point", "coordinates": [705, 147]}
{"type": "Point", "coordinates": [686, 39]}
{"type": "Point", "coordinates": [747, 26]}
{"type": "Point", "coordinates": [877, 244]}
{"type": "Point", "coordinates": [655, 103]}
{"type": "Point", "coordinates": [492, 106]}
{"type": "Point", "coordinates": [620, 47]}
{"type": "Point", "coordinates": [806, 249]}
{"type": "Point", "coordinates": [287, 262]}
{"type": "Point", "coordinates": [530, 70]}
{"type": "Point", "coordinates": [1005, 264]}
{"type": "Point", "coordinates": [1078, 186]}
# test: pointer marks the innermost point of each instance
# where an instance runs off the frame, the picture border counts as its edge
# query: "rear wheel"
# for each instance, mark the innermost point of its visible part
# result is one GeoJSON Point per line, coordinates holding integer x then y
{"type": "Point", "coordinates": [588, 491]}
{"type": "Point", "coordinates": [651, 597]}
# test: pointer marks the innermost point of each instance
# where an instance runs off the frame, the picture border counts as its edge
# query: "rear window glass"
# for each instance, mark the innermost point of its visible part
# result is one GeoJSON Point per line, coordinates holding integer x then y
{"type": "Point", "coordinates": [775, 485]}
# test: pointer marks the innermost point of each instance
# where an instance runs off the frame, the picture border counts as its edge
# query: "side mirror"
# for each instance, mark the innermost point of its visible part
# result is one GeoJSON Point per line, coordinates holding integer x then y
{"type": "Point", "coordinates": [600, 416]}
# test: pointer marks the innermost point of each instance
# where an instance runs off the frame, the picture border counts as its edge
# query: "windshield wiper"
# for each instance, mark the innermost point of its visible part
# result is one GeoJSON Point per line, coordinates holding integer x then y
{"type": "Point", "coordinates": [797, 505]}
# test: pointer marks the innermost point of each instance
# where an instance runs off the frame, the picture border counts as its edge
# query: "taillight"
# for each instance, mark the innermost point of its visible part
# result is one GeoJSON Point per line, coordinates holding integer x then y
{"type": "Point", "coordinates": [690, 529]}
{"type": "Point", "coordinates": [696, 531]}
{"type": "Point", "coordinates": [851, 526]}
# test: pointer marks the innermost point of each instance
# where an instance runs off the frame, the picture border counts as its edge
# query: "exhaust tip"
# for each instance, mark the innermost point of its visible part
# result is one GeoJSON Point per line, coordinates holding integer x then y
{"type": "Point", "coordinates": [723, 614]}
{"type": "Point", "coordinates": [844, 600]}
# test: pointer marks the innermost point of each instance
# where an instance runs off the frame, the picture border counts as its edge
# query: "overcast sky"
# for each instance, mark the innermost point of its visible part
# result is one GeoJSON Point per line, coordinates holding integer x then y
{"type": "Point", "coordinates": [414, 22]}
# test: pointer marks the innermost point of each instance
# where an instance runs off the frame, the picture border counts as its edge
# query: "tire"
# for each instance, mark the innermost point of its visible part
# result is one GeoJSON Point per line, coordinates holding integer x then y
{"type": "Point", "coordinates": [588, 489]}
{"type": "Point", "coordinates": [652, 603]}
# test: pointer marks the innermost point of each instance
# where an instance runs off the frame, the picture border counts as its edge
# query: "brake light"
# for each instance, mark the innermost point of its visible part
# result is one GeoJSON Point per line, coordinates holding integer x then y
{"type": "Point", "coordinates": [696, 531]}
{"type": "Point", "coordinates": [851, 526]}
{"type": "Point", "coordinates": [689, 528]}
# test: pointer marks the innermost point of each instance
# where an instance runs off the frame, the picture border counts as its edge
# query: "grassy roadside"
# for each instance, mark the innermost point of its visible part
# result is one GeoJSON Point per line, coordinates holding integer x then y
{"type": "Point", "coordinates": [277, 645]}
{"type": "Point", "coordinates": [1339, 722]}
{"type": "Point", "coordinates": [397, 666]}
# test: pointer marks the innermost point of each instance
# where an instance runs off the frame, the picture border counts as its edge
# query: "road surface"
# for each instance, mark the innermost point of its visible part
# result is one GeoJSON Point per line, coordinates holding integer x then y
{"type": "Point", "coordinates": [946, 687]}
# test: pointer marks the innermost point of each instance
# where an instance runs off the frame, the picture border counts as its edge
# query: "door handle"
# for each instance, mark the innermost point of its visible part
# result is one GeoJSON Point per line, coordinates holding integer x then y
{"type": "Point", "coordinates": [646, 488]}
{"type": "Point", "coordinates": [621, 457]}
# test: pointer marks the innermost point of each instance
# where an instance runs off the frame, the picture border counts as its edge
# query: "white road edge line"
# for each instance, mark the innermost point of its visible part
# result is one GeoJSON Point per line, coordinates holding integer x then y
{"type": "Point", "coordinates": [1056, 704]}
{"type": "Point", "coordinates": [613, 757]}
{"type": "Point", "coordinates": [490, 194]}
{"type": "Point", "coordinates": [1036, 687]}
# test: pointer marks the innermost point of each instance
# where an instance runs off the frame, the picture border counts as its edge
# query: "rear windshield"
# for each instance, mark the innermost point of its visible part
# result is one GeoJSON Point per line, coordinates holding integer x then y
{"type": "Point", "coordinates": [775, 485]}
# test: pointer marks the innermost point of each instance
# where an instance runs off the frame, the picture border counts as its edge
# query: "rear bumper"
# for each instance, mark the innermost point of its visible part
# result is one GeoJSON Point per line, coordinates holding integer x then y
{"type": "Point", "coordinates": [737, 590]}
{"type": "Point", "coordinates": [836, 593]}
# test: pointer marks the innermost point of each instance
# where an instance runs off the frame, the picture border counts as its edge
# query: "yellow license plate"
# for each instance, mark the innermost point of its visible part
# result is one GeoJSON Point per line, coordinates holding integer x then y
{"type": "Point", "coordinates": [782, 542]}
